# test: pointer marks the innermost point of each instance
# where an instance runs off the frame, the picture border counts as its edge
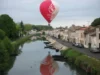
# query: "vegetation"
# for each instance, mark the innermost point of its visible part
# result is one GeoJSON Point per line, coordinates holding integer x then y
{"type": "Point", "coordinates": [22, 26]}
{"type": "Point", "coordinates": [28, 27]}
{"type": "Point", "coordinates": [20, 41]}
{"type": "Point", "coordinates": [11, 37]}
{"type": "Point", "coordinates": [6, 49]}
{"type": "Point", "coordinates": [96, 22]}
{"type": "Point", "coordinates": [87, 63]}
{"type": "Point", "coordinates": [41, 27]}
{"type": "Point", "coordinates": [2, 34]}
{"type": "Point", "coordinates": [8, 26]}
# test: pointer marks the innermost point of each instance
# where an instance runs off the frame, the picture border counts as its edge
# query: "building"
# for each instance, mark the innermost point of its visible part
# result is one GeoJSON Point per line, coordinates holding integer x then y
{"type": "Point", "coordinates": [92, 37]}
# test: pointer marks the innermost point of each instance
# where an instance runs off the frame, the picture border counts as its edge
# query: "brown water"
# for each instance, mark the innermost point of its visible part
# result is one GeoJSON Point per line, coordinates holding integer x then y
{"type": "Point", "coordinates": [28, 62]}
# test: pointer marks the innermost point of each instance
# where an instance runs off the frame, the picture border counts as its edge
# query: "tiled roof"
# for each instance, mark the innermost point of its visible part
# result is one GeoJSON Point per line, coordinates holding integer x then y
{"type": "Point", "coordinates": [90, 29]}
{"type": "Point", "coordinates": [83, 28]}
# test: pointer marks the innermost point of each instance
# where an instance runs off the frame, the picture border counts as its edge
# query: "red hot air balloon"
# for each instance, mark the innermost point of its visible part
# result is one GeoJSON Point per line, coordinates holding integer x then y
{"type": "Point", "coordinates": [49, 10]}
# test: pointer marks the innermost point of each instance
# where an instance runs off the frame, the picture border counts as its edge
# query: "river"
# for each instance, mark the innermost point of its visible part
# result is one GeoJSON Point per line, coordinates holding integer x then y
{"type": "Point", "coordinates": [29, 60]}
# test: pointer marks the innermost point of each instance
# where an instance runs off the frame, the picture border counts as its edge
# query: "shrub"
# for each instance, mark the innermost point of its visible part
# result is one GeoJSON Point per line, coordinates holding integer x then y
{"type": "Point", "coordinates": [4, 57]}
{"type": "Point", "coordinates": [88, 61]}
{"type": "Point", "coordinates": [72, 55]}
{"type": "Point", "coordinates": [63, 52]}
{"type": "Point", "coordinates": [8, 45]}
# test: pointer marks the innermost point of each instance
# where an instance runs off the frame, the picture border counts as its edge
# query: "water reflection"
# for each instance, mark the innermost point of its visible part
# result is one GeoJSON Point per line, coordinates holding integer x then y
{"type": "Point", "coordinates": [75, 70]}
{"type": "Point", "coordinates": [29, 62]}
{"type": "Point", "coordinates": [48, 66]}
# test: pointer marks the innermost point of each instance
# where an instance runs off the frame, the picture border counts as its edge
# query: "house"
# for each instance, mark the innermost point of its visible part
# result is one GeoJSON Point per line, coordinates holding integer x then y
{"type": "Point", "coordinates": [72, 33]}
{"type": "Point", "coordinates": [92, 37]}
{"type": "Point", "coordinates": [79, 35]}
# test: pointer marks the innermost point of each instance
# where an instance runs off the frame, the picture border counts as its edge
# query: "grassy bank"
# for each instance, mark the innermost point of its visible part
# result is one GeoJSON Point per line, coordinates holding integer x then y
{"type": "Point", "coordinates": [20, 41]}
{"type": "Point", "coordinates": [89, 64]}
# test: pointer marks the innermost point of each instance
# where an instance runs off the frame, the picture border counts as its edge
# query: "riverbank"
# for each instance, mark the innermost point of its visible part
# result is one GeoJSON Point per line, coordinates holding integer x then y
{"type": "Point", "coordinates": [88, 64]}
{"type": "Point", "coordinates": [85, 62]}
{"type": "Point", "coordinates": [9, 51]}
{"type": "Point", "coordinates": [20, 41]}
{"type": "Point", "coordinates": [56, 45]}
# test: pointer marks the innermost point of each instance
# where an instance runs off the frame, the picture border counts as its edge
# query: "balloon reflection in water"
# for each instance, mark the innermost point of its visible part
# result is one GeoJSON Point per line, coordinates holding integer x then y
{"type": "Point", "coordinates": [48, 66]}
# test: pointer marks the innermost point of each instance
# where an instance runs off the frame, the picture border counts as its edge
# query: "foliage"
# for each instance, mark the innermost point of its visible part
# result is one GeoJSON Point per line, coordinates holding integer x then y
{"type": "Point", "coordinates": [96, 22]}
{"type": "Point", "coordinates": [22, 25]}
{"type": "Point", "coordinates": [28, 27]}
{"type": "Point", "coordinates": [8, 45]}
{"type": "Point", "coordinates": [72, 55]}
{"type": "Point", "coordinates": [2, 34]}
{"type": "Point", "coordinates": [8, 26]}
{"type": "Point", "coordinates": [41, 27]}
{"type": "Point", "coordinates": [4, 56]}
{"type": "Point", "coordinates": [88, 61]}
{"type": "Point", "coordinates": [43, 33]}
{"type": "Point", "coordinates": [64, 52]}
{"type": "Point", "coordinates": [82, 60]}
{"type": "Point", "coordinates": [20, 41]}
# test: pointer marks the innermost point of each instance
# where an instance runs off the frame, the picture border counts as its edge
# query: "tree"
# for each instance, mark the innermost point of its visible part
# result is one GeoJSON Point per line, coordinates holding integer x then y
{"type": "Point", "coordinates": [4, 57]}
{"type": "Point", "coordinates": [2, 34]}
{"type": "Point", "coordinates": [22, 26]}
{"type": "Point", "coordinates": [41, 27]}
{"type": "Point", "coordinates": [28, 27]}
{"type": "Point", "coordinates": [8, 26]}
{"type": "Point", "coordinates": [96, 22]}
{"type": "Point", "coordinates": [8, 45]}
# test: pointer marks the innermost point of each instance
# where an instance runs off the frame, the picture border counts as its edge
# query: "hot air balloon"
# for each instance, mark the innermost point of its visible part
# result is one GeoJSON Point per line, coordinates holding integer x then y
{"type": "Point", "coordinates": [49, 10]}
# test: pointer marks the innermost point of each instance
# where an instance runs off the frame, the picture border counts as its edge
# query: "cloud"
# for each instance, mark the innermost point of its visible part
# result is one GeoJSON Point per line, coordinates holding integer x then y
{"type": "Point", "coordinates": [71, 11]}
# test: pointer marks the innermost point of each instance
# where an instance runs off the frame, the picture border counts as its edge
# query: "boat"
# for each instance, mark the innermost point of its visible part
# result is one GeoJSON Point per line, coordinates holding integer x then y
{"type": "Point", "coordinates": [46, 42]}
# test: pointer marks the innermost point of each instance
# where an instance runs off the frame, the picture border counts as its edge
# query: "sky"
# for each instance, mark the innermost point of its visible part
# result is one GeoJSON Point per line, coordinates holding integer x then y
{"type": "Point", "coordinates": [78, 12]}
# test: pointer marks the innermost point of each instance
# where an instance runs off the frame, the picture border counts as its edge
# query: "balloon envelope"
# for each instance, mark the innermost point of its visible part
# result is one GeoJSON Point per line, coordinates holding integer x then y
{"type": "Point", "coordinates": [49, 9]}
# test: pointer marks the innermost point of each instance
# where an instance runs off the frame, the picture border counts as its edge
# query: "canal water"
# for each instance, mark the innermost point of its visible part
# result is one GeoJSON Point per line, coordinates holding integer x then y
{"type": "Point", "coordinates": [29, 60]}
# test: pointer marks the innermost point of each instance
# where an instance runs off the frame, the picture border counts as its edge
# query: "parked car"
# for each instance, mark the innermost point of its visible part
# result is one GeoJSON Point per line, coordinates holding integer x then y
{"type": "Point", "coordinates": [80, 45]}
{"type": "Point", "coordinates": [76, 44]}
{"type": "Point", "coordinates": [95, 50]}
{"type": "Point", "coordinates": [73, 44]}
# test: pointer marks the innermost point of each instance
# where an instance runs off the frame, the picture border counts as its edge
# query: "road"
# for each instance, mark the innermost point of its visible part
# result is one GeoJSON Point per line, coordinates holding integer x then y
{"type": "Point", "coordinates": [82, 50]}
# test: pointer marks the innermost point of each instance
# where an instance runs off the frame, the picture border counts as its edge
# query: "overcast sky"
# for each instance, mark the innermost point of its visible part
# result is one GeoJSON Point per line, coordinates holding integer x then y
{"type": "Point", "coordinates": [79, 12]}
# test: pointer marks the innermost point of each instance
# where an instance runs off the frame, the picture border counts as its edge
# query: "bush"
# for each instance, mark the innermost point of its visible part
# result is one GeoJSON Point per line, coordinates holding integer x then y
{"type": "Point", "coordinates": [20, 41]}
{"type": "Point", "coordinates": [63, 52]}
{"type": "Point", "coordinates": [88, 61]}
{"type": "Point", "coordinates": [8, 45]}
{"type": "Point", "coordinates": [4, 57]}
{"type": "Point", "coordinates": [72, 55]}
{"type": "Point", "coordinates": [2, 34]}
{"type": "Point", "coordinates": [83, 61]}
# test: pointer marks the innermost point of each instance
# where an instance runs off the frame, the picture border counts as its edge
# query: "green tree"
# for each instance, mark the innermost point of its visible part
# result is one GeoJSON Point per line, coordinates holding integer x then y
{"type": "Point", "coordinates": [28, 27]}
{"type": "Point", "coordinates": [96, 22]}
{"type": "Point", "coordinates": [41, 27]}
{"type": "Point", "coordinates": [8, 45]}
{"type": "Point", "coordinates": [22, 26]}
{"type": "Point", "coordinates": [2, 34]}
{"type": "Point", "coordinates": [4, 57]}
{"type": "Point", "coordinates": [8, 26]}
